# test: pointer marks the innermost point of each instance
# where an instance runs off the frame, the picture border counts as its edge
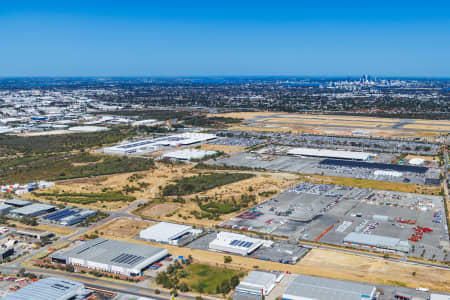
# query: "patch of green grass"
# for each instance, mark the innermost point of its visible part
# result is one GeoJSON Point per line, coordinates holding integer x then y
{"type": "Point", "coordinates": [397, 283]}
{"type": "Point", "coordinates": [86, 198]}
{"type": "Point", "coordinates": [205, 279]}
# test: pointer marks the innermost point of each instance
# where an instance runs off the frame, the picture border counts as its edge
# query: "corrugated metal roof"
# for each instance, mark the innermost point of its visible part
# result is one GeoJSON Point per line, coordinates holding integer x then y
{"type": "Point", "coordinates": [257, 280]}
{"type": "Point", "coordinates": [33, 208]}
{"type": "Point", "coordinates": [331, 153]}
{"type": "Point", "coordinates": [324, 289]}
{"type": "Point", "coordinates": [51, 288]}
{"type": "Point", "coordinates": [376, 241]}
{"type": "Point", "coordinates": [111, 252]}
{"type": "Point", "coordinates": [18, 202]}
{"type": "Point", "coordinates": [164, 231]}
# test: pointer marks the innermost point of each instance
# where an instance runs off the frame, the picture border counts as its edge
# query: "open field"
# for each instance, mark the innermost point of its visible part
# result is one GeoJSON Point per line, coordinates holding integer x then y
{"type": "Point", "coordinates": [342, 266]}
{"type": "Point", "coordinates": [55, 229]}
{"type": "Point", "coordinates": [149, 180]}
{"type": "Point", "coordinates": [307, 121]}
{"type": "Point", "coordinates": [204, 278]}
{"type": "Point", "coordinates": [158, 210]}
{"type": "Point", "coordinates": [223, 148]}
{"type": "Point", "coordinates": [267, 128]}
{"type": "Point", "coordinates": [262, 186]}
{"type": "Point", "coordinates": [337, 124]}
{"type": "Point", "coordinates": [440, 127]}
{"type": "Point", "coordinates": [123, 227]}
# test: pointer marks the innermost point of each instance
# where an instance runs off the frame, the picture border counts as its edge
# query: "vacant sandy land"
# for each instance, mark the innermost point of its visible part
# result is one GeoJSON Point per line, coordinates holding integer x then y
{"type": "Point", "coordinates": [263, 182]}
{"type": "Point", "coordinates": [158, 210]}
{"type": "Point", "coordinates": [426, 158]}
{"type": "Point", "coordinates": [331, 264]}
{"type": "Point", "coordinates": [266, 129]}
{"type": "Point", "coordinates": [434, 122]}
{"type": "Point", "coordinates": [224, 148]}
{"type": "Point", "coordinates": [323, 122]}
{"type": "Point", "coordinates": [55, 229]}
{"type": "Point", "coordinates": [160, 176]}
{"type": "Point", "coordinates": [428, 127]}
{"type": "Point", "coordinates": [124, 227]}
{"type": "Point", "coordinates": [247, 115]}
{"type": "Point", "coordinates": [252, 115]}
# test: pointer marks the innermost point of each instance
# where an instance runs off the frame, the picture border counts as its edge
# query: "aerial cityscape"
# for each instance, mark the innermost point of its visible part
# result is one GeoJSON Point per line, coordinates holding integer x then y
{"type": "Point", "coordinates": [207, 151]}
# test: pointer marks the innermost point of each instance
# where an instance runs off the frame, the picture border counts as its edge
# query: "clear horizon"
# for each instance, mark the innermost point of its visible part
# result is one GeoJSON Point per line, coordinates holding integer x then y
{"type": "Point", "coordinates": [407, 39]}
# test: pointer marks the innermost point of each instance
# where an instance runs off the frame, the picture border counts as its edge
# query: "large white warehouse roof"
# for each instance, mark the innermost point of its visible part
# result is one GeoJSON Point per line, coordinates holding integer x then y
{"type": "Point", "coordinates": [331, 153]}
{"type": "Point", "coordinates": [188, 154]}
{"type": "Point", "coordinates": [235, 243]}
{"type": "Point", "coordinates": [165, 232]}
{"type": "Point", "coordinates": [149, 145]}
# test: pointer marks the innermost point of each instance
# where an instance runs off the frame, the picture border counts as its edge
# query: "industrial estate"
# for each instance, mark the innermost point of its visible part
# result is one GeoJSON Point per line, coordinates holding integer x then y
{"type": "Point", "coordinates": [108, 199]}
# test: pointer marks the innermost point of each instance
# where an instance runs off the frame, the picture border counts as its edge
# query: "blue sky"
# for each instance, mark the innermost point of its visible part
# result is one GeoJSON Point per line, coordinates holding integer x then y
{"type": "Point", "coordinates": [224, 38]}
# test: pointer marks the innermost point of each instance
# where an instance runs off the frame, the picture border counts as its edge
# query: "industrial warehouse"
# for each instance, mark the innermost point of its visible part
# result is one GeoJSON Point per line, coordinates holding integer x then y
{"type": "Point", "coordinates": [236, 243]}
{"type": "Point", "coordinates": [188, 154]}
{"type": "Point", "coordinates": [32, 210]}
{"type": "Point", "coordinates": [352, 155]}
{"type": "Point", "coordinates": [111, 256]}
{"type": "Point", "coordinates": [51, 288]}
{"type": "Point", "coordinates": [168, 233]}
{"type": "Point", "coordinates": [144, 146]}
{"type": "Point", "coordinates": [380, 242]}
{"type": "Point", "coordinates": [257, 283]}
{"type": "Point", "coordinates": [317, 288]}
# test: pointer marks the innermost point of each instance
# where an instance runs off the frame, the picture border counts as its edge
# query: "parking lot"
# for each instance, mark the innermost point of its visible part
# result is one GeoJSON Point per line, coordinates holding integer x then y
{"type": "Point", "coordinates": [327, 213]}
{"type": "Point", "coordinates": [340, 142]}
{"type": "Point", "coordinates": [236, 141]}
{"type": "Point", "coordinates": [320, 166]}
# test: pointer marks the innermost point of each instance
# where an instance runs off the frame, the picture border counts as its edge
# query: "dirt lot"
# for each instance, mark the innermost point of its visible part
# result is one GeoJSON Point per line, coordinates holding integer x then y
{"type": "Point", "coordinates": [272, 121]}
{"type": "Point", "coordinates": [158, 210]}
{"type": "Point", "coordinates": [263, 182]}
{"type": "Point", "coordinates": [154, 178]}
{"type": "Point", "coordinates": [342, 266]}
{"type": "Point", "coordinates": [123, 227]}
{"type": "Point", "coordinates": [55, 229]}
{"type": "Point", "coordinates": [224, 148]}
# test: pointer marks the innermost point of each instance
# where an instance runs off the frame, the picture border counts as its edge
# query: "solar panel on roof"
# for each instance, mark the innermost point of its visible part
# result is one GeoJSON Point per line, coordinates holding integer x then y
{"type": "Point", "coordinates": [126, 258]}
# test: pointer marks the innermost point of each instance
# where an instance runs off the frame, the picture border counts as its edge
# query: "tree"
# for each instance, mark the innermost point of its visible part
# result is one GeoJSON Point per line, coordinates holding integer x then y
{"type": "Point", "coordinates": [234, 281]}
{"type": "Point", "coordinates": [227, 259]}
{"type": "Point", "coordinates": [225, 287]}
{"type": "Point", "coordinates": [184, 287]}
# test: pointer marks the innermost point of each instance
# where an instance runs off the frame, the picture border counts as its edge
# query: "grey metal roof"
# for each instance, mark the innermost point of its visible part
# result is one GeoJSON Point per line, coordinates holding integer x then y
{"type": "Point", "coordinates": [260, 278]}
{"type": "Point", "coordinates": [17, 202]}
{"type": "Point", "coordinates": [4, 206]}
{"type": "Point", "coordinates": [51, 288]}
{"type": "Point", "coordinates": [33, 208]}
{"type": "Point", "coordinates": [111, 252]}
{"type": "Point", "coordinates": [375, 240]}
{"type": "Point", "coordinates": [324, 289]}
